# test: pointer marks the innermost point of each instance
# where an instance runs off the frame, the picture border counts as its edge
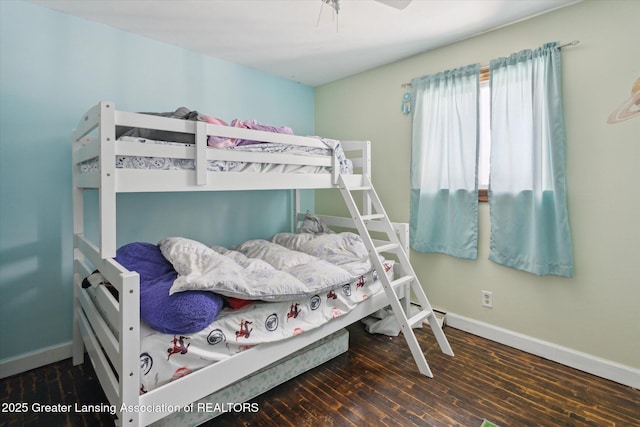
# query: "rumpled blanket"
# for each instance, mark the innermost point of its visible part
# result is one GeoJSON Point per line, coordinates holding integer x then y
{"type": "Point", "coordinates": [345, 165]}
{"type": "Point", "coordinates": [184, 113]}
{"type": "Point", "coordinates": [345, 250]}
{"type": "Point", "coordinates": [262, 270]}
{"type": "Point", "coordinates": [223, 142]}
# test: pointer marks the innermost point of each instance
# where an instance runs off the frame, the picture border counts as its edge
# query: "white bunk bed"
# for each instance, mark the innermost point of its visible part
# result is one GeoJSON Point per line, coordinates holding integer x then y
{"type": "Point", "coordinates": [109, 328]}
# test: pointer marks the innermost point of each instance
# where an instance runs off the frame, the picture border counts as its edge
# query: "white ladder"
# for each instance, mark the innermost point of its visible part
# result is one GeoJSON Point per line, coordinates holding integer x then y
{"type": "Point", "coordinates": [408, 278]}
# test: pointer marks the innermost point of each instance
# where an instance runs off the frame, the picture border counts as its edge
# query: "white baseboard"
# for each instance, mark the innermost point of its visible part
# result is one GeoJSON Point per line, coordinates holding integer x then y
{"type": "Point", "coordinates": [603, 368]}
{"type": "Point", "coordinates": [36, 359]}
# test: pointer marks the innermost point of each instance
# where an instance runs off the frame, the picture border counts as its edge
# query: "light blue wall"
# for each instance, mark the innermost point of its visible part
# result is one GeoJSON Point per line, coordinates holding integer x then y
{"type": "Point", "coordinates": [53, 67]}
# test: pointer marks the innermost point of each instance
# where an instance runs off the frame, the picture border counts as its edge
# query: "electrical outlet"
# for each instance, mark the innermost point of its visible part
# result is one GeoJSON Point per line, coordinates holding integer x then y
{"type": "Point", "coordinates": [487, 299]}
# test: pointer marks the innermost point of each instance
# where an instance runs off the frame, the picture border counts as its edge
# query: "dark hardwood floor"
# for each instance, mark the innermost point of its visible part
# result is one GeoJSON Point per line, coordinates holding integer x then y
{"type": "Point", "coordinates": [376, 383]}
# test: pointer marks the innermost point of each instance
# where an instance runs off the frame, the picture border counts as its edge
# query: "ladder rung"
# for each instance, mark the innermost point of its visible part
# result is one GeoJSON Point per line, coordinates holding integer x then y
{"type": "Point", "coordinates": [372, 216]}
{"type": "Point", "coordinates": [360, 188]}
{"type": "Point", "coordinates": [418, 317]}
{"type": "Point", "coordinates": [387, 248]}
{"type": "Point", "coordinates": [402, 280]}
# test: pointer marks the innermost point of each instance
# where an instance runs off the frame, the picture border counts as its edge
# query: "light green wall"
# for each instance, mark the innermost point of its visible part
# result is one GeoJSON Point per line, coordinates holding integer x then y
{"type": "Point", "coordinates": [597, 311]}
{"type": "Point", "coordinates": [53, 68]}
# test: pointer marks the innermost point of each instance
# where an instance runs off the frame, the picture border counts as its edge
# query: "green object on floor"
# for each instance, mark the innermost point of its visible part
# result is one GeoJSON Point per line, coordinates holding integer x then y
{"type": "Point", "coordinates": [486, 423]}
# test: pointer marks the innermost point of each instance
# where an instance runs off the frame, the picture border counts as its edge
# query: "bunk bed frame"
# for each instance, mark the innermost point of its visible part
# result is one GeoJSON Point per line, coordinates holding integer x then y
{"type": "Point", "coordinates": [108, 329]}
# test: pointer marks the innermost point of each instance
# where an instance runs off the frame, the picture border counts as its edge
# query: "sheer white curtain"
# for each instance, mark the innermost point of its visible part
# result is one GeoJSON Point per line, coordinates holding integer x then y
{"type": "Point", "coordinates": [444, 191]}
{"type": "Point", "coordinates": [527, 192]}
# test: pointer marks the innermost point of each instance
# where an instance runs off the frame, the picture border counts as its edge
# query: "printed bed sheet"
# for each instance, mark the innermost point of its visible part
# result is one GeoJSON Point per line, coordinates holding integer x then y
{"type": "Point", "coordinates": [165, 358]}
{"type": "Point", "coordinates": [254, 277]}
{"type": "Point", "coordinates": [165, 163]}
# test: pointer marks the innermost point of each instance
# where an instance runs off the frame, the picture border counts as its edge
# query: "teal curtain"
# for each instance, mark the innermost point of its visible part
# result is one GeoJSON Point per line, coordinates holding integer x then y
{"type": "Point", "coordinates": [527, 192]}
{"type": "Point", "coordinates": [444, 190]}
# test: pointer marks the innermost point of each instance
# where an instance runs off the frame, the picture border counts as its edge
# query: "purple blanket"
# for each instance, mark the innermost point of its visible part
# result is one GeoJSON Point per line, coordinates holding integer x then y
{"type": "Point", "coordinates": [181, 313]}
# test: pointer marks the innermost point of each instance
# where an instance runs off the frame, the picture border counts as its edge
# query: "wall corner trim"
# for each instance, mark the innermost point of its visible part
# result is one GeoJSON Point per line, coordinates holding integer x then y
{"type": "Point", "coordinates": [603, 368]}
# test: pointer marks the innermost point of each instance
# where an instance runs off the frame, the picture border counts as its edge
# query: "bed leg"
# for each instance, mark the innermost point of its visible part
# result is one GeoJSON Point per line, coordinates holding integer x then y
{"type": "Point", "coordinates": [77, 348]}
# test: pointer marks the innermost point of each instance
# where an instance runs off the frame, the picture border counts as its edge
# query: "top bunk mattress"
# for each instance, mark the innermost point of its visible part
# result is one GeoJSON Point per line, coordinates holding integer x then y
{"type": "Point", "coordinates": [187, 140]}
{"type": "Point", "coordinates": [173, 163]}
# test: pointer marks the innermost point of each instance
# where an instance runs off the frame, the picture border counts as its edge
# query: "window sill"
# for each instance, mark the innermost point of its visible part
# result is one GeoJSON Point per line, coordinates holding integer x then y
{"type": "Point", "coordinates": [483, 195]}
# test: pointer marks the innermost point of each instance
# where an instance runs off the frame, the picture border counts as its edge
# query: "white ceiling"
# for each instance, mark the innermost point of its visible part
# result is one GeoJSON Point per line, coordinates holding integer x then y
{"type": "Point", "coordinates": [304, 40]}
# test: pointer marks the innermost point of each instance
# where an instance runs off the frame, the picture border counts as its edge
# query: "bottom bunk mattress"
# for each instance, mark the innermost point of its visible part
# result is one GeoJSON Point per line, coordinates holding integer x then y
{"type": "Point", "coordinates": [229, 398]}
{"type": "Point", "coordinates": [200, 304]}
{"type": "Point", "coordinates": [167, 357]}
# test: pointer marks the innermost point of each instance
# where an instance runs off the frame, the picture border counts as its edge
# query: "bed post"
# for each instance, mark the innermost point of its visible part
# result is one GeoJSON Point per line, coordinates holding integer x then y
{"type": "Point", "coordinates": [77, 351]}
{"type": "Point", "coordinates": [107, 135]}
{"type": "Point", "coordinates": [296, 209]}
{"type": "Point", "coordinates": [201, 153]}
{"type": "Point", "coordinates": [129, 381]}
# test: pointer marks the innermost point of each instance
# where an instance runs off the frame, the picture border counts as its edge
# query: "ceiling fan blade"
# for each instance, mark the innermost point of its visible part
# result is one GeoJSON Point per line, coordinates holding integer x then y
{"type": "Point", "coordinates": [397, 4]}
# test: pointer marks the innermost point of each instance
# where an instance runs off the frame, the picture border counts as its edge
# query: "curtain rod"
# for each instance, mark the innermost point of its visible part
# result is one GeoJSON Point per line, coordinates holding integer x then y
{"type": "Point", "coordinates": [486, 67]}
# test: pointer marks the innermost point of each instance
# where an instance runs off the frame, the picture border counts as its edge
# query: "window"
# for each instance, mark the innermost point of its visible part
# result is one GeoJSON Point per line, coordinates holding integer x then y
{"type": "Point", "coordinates": [462, 115]}
{"type": "Point", "coordinates": [484, 143]}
